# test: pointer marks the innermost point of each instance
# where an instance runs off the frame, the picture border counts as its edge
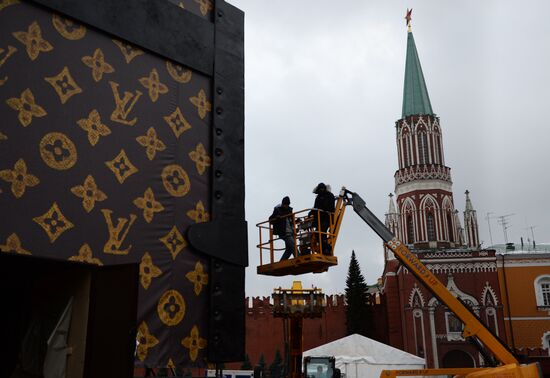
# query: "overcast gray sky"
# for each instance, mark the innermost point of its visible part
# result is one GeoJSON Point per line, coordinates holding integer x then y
{"type": "Point", "coordinates": [324, 84]}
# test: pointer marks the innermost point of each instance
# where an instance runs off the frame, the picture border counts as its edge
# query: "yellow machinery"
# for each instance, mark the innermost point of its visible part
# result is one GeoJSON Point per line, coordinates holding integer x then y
{"type": "Point", "coordinates": [293, 305]}
{"type": "Point", "coordinates": [474, 329]}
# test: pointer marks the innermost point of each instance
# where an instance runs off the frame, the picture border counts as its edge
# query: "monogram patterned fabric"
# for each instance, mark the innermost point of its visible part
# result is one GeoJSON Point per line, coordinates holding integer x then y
{"type": "Point", "coordinates": [105, 159]}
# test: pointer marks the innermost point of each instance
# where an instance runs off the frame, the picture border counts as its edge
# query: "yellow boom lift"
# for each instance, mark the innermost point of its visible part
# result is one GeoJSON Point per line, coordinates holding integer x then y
{"type": "Point", "coordinates": [312, 257]}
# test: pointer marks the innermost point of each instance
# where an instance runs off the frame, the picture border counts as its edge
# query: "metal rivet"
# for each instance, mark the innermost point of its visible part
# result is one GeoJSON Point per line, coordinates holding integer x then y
{"type": "Point", "coordinates": [218, 194]}
{"type": "Point", "coordinates": [219, 110]}
{"type": "Point", "coordinates": [220, 13]}
{"type": "Point", "coordinates": [218, 173]}
{"type": "Point", "coordinates": [217, 265]}
{"type": "Point", "coordinates": [217, 288]}
{"type": "Point", "coordinates": [219, 152]}
{"type": "Point", "coordinates": [219, 131]}
{"type": "Point", "coordinates": [219, 90]}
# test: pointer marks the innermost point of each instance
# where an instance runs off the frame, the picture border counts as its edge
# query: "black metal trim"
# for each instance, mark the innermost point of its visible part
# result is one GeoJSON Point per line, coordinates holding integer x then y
{"type": "Point", "coordinates": [158, 26]}
{"type": "Point", "coordinates": [227, 314]}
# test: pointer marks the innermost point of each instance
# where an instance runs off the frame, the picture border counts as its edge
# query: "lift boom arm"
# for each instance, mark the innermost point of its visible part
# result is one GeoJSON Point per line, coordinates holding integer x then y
{"type": "Point", "coordinates": [472, 326]}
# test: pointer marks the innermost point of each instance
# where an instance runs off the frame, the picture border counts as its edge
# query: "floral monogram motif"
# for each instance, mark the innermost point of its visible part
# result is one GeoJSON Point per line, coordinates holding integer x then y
{"type": "Point", "coordinates": [85, 256]}
{"type": "Point", "coordinates": [198, 277]}
{"type": "Point", "coordinates": [175, 180]}
{"type": "Point", "coordinates": [27, 107]}
{"type": "Point", "coordinates": [174, 241]}
{"type": "Point", "coordinates": [19, 178]}
{"type": "Point", "coordinates": [13, 244]}
{"type": "Point", "coordinates": [149, 205]}
{"type": "Point", "coordinates": [145, 341]}
{"type": "Point", "coordinates": [198, 214]}
{"type": "Point", "coordinates": [153, 84]}
{"type": "Point", "coordinates": [171, 308]}
{"type": "Point", "coordinates": [121, 166]}
{"type": "Point", "coordinates": [53, 222]}
{"type": "Point", "coordinates": [58, 151]}
{"type": "Point", "coordinates": [177, 123]}
{"type": "Point", "coordinates": [201, 159]}
{"type": "Point", "coordinates": [64, 85]}
{"type": "Point", "coordinates": [94, 127]}
{"type": "Point", "coordinates": [205, 6]}
{"type": "Point", "coordinates": [7, 3]}
{"type": "Point", "coordinates": [194, 343]}
{"type": "Point", "coordinates": [89, 193]}
{"type": "Point", "coordinates": [148, 270]}
{"type": "Point", "coordinates": [98, 64]}
{"type": "Point", "coordinates": [33, 41]}
{"type": "Point", "coordinates": [129, 51]}
{"type": "Point", "coordinates": [178, 73]}
{"type": "Point", "coordinates": [151, 143]}
{"type": "Point", "coordinates": [68, 28]}
{"type": "Point", "coordinates": [202, 104]}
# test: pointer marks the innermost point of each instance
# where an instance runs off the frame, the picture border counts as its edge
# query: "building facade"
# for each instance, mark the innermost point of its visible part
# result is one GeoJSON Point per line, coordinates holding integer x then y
{"type": "Point", "coordinates": [525, 286]}
{"type": "Point", "coordinates": [423, 215]}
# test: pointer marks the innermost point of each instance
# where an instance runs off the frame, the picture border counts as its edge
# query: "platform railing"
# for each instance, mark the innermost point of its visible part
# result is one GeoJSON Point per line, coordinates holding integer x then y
{"type": "Point", "coordinates": [307, 234]}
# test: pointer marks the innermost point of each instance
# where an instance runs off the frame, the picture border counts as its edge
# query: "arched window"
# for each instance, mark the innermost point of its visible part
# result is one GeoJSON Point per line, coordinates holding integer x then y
{"type": "Point", "coordinates": [437, 143]}
{"type": "Point", "coordinates": [450, 227]}
{"type": "Point", "coordinates": [430, 226]}
{"type": "Point", "coordinates": [542, 290]}
{"type": "Point", "coordinates": [410, 230]}
{"type": "Point", "coordinates": [546, 341]}
{"type": "Point", "coordinates": [423, 148]}
{"type": "Point", "coordinates": [406, 151]}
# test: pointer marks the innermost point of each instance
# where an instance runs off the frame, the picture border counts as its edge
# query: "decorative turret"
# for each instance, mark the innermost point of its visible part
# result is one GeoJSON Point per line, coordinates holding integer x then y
{"type": "Point", "coordinates": [470, 223]}
{"type": "Point", "coordinates": [423, 185]}
{"type": "Point", "coordinates": [392, 223]}
{"type": "Point", "coordinates": [392, 217]}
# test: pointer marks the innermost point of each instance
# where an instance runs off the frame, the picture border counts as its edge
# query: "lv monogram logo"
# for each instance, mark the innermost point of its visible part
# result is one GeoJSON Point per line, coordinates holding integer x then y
{"type": "Point", "coordinates": [118, 233]}
{"type": "Point", "coordinates": [7, 3]}
{"type": "Point", "coordinates": [3, 58]}
{"type": "Point", "coordinates": [124, 106]}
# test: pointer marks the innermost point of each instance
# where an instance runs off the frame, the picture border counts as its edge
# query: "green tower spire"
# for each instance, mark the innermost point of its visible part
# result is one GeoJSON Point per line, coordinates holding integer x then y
{"type": "Point", "coordinates": [416, 100]}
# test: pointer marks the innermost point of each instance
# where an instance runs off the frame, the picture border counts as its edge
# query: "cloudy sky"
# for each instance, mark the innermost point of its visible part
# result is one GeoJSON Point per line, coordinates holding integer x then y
{"type": "Point", "coordinates": [324, 84]}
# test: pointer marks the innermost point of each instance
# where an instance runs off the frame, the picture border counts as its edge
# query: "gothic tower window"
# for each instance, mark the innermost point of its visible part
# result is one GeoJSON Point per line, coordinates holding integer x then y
{"type": "Point", "coordinates": [423, 148]}
{"type": "Point", "coordinates": [410, 230]}
{"type": "Point", "coordinates": [406, 151]}
{"type": "Point", "coordinates": [450, 227]}
{"type": "Point", "coordinates": [430, 225]}
{"type": "Point", "coordinates": [438, 149]}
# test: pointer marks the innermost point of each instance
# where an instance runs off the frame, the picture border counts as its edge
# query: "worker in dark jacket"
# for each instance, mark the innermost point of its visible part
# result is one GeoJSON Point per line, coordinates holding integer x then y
{"type": "Point", "coordinates": [325, 203]}
{"type": "Point", "coordinates": [281, 219]}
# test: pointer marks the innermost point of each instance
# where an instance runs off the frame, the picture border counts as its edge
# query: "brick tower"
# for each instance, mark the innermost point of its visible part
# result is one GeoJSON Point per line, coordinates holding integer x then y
{"type": "Point", "coordinates": [425, 218]}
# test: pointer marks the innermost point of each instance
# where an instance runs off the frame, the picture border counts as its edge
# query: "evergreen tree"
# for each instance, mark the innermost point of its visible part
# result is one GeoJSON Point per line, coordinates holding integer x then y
{"type": "Point", "coordinates": [276, 367]}
{"type": "Point", "coordinates": [261, 364]}
{"type": "Point", "coordinates": [246, 363]}
{"type": "Point", "coordinates": [357, 300]}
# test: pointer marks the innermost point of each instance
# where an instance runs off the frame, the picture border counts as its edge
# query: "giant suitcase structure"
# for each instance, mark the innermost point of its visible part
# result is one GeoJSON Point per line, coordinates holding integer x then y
{"type": "Point", "coordinates": [122, 142]}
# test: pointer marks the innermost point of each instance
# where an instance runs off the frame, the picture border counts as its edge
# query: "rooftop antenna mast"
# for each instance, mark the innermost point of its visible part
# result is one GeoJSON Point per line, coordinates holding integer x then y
{"type": "Point", "coordinates": [488, 217]}
{"type": "Point", "coordinates": [532, 234]}
{"type": "Point", "coordinates": [503, 221]}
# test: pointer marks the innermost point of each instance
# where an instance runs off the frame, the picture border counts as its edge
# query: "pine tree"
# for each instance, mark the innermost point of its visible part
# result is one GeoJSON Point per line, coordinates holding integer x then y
{"type": "Point", "coordinates": [246, 363]}
{"type": "Point", "coordinates": [261, 363]}
{"type": "Point", "coordinates": [276, 367]}
{"type": "Point", "coordinates": [356, 297]}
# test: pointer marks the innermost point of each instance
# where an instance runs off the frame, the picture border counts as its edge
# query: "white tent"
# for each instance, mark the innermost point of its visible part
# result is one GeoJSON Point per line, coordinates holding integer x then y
{"type": "Point", "coordinates": [360, 357]}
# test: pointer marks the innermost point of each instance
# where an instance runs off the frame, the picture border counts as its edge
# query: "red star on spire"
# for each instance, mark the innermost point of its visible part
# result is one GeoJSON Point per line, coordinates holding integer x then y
{"type": "Point", "coordinates": [408, 16]}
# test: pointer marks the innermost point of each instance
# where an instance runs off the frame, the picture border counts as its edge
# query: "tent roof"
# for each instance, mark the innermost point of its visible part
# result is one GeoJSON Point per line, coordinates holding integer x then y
{"type": "Point", "coordinates": [360, 348]}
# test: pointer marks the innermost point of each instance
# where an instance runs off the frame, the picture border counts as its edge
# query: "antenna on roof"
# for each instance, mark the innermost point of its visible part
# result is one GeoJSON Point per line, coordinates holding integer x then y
{"type": "Point", "coordinates": [503, 220]}
{"type": "Point", "coordinates": [532, 234]}
{"type": "Point", "coordinates": [488, 217]}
